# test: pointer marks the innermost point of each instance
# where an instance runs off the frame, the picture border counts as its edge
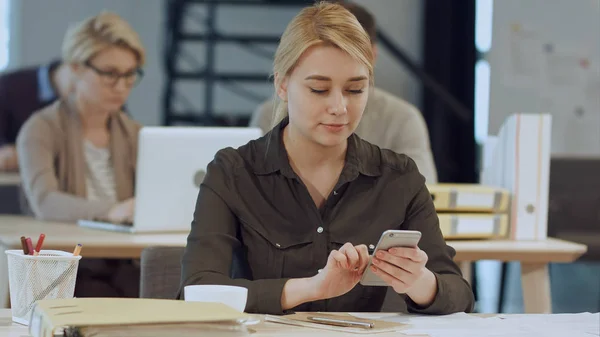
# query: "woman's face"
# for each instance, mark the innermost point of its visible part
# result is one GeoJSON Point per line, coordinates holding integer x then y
{"type": "Point", "coordinates": [326, 94]}
{"type": "Point", "coordinates": [105, 80]}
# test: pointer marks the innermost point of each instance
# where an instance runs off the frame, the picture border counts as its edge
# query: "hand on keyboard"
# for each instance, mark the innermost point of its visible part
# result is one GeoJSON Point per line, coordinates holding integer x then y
{"type": "Point", "coordinates": [122, 212]}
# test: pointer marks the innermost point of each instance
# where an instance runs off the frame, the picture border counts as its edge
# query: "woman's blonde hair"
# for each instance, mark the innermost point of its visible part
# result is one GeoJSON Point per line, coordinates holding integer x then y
{"type": "Point", "coordinates": [322, 23]}
{"type": "Point", "coordinates": [89, 37]}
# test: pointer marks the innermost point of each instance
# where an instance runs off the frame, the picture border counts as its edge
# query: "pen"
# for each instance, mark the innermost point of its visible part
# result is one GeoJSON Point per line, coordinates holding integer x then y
{"type": "Point", "coordinates": [29, 246]}
{"type": "Point", "coordinates": [40, 242]}
{"type": "Point", "coordinates": [24, 245]}
{"type": "Point", "coordinates": [77, 250]}
{"type": "Point", "coordinates": [341, 322]}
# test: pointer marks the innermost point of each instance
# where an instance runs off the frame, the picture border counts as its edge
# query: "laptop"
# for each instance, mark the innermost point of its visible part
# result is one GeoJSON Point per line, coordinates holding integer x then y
{"type": "Point", "coordinates": [171, 164]}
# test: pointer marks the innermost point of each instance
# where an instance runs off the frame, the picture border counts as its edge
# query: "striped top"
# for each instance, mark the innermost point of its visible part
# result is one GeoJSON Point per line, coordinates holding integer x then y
{"type": "Point", "coordinates": [100, 175]}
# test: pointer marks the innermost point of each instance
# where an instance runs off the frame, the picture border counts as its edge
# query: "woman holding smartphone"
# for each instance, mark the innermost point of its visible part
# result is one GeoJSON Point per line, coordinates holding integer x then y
{"type": "Point", "coordinates": [304, 202]}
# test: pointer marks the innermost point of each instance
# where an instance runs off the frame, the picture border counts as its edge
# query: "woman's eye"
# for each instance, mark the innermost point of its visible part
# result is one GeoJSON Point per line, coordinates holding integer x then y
{"type": "Point", "coordinates": [318, 91]}
{"type": "Point", "coordinates": [359, 91]}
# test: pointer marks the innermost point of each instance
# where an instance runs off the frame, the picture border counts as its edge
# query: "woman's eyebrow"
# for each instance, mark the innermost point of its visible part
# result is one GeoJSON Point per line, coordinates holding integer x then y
{"type": "Point", "coordinates": [325, 78]}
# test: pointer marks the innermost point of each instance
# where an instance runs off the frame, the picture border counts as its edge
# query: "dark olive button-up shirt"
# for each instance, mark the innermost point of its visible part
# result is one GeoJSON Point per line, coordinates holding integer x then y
{"type": "Point", "coordinates": [252, 204]}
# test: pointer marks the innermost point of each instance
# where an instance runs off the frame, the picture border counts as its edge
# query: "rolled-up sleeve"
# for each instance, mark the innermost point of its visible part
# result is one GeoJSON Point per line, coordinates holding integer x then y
{"type": "Point", "coordinates": [213, 241]}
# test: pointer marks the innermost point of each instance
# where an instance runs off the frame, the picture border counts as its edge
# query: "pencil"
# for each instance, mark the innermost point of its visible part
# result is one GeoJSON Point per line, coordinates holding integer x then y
{"type": "Point", "coordinates": [77, 250]}
{"type": "Point", "coordinates": [38, 246]}
{"type": "Point", "coordinates": [24, 245]}
{"type": "Point", "coordinates": [29, 246]}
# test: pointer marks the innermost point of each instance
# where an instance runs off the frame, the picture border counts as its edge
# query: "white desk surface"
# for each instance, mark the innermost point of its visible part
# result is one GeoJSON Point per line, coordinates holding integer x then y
{"type": "Point", "coordinates": [583, 324]}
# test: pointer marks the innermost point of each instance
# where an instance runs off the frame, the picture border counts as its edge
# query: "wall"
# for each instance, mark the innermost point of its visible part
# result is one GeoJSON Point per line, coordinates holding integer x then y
{"type": "Point", "coordinates": [545, 58]}
{"type": "Point", "coordinates": [37, 29]}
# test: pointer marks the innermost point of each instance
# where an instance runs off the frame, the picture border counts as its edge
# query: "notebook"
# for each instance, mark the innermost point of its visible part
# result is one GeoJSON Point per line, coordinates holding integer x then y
{"type": "Point", "coordinates": [306, 319]}
{"type": "Point", "coordinates": [107, 317]}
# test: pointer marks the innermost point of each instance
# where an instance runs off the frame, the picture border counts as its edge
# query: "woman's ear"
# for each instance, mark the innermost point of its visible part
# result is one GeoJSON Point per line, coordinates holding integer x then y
{"type": "Point", "coordinates": [281, 87]}
{"type": "Point", "coordinates": [75, 69]}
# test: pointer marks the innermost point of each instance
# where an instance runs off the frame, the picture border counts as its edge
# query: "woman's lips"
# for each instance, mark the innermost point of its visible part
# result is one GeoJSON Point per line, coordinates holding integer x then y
{"type": "Point", "coordinates": [334, 127]}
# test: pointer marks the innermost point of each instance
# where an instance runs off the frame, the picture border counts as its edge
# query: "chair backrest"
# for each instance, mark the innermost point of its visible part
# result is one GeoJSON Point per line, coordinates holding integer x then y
{"type": "Point", "coordinates": [160, 272]}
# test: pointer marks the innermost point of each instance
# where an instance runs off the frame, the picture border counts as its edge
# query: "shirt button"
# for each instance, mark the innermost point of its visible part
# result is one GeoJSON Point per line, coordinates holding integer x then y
{"type": "Point", "coordinates": [278, 245]}
{"type": "Point", "coordinates": [335, 193]}
{"type": "Point", "coordinates": [320, 230]}
{"type": "Point", "coordinates": [371, 246]}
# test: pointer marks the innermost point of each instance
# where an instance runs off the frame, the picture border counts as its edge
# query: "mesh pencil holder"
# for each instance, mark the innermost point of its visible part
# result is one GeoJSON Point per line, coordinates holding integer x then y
{"type": "Point", "coordinates": [49, 275]}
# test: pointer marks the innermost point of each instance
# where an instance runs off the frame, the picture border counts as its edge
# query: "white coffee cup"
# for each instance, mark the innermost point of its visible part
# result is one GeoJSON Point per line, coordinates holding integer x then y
{"type": "Point", "coordinates": [232, 296]}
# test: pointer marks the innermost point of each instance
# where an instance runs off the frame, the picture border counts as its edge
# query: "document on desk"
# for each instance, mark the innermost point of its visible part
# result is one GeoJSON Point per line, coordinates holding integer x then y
{"type": "Point", "coordinates": [307, 320]}
{"type": "Point", "coordinates": [463, 325]}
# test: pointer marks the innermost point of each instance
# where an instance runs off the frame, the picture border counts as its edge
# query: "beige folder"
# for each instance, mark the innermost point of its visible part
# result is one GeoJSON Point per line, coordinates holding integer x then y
{"type": "Point", "coordinates": [473, 226]}
{"type": "Point", "coordinates": [133, 317]}
{"type": "Point", "coordinates": [469, 198]}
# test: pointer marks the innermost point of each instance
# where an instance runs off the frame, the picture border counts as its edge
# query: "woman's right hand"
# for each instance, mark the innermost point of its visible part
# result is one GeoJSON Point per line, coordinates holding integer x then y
{"type": "Point", "coordinates": [122, 212]}
{"type": "Point", "coordinates": [343, 271]}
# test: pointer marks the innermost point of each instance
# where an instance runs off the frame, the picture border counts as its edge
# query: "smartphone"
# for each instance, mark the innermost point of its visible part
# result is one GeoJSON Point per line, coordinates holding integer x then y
{"type": "Point", "coordinates": [389, 239]}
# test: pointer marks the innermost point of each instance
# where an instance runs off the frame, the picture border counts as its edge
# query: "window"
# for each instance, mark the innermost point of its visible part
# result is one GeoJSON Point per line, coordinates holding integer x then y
{"type": "Point", "coordinates": [4, 33]}
{"type": "Point", "coordinates": [483, 43]}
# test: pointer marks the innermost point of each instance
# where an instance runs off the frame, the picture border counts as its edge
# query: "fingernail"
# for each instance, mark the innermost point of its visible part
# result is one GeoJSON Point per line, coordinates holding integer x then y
{"type": "Point", "coordinates": [373, 268]}
{"type": "Point", "coordinates": [393, 251]}
{"type": "Point", "coordinates": [379, 254]}
{"type": "Point", "coordinates": [375, 261]}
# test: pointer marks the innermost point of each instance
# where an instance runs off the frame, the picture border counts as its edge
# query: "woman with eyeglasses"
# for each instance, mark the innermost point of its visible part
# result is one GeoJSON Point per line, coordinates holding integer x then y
{"type": "Point", "coordinates": [77, 156]}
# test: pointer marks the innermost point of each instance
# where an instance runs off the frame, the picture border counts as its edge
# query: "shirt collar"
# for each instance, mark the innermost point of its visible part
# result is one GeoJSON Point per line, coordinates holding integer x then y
{"type": "Point", "coordinates": [361, 156]}
{"type": "Point", "coordinates": [46, 91]}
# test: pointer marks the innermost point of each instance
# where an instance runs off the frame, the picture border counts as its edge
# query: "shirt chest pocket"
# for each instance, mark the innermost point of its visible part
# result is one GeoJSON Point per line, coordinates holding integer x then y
{"type": "Point", "coordinates": [276, 253]}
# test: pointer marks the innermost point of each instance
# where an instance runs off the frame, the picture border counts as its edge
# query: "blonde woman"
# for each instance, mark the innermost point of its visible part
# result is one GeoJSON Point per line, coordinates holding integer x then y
{"type": "Point", "coordinates": [305, 201]}
{"type": "Point", "coordinates": [77, 156]}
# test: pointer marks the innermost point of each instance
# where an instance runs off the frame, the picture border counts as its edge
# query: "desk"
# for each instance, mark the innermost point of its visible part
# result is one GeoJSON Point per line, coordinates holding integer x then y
{"type": "Point", "coordinates": [583, 324]}
{"type": "Point", "coordinates": [533, 255]}
{"type": "Point", "coordinates": [9, 179]}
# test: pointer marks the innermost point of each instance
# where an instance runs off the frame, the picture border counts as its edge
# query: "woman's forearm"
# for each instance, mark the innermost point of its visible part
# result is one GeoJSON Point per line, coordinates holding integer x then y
{"type": "Point", "coordinates": [297, 291]}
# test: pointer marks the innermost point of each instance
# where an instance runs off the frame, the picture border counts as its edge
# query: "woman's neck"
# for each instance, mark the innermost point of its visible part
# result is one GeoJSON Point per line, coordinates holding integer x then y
{"type": "Point", "coordinates": [308, 155]}
{"type": "Point", "coordinates": [91, 116]}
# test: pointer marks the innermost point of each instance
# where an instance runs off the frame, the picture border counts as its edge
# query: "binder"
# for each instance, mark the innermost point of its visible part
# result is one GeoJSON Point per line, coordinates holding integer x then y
{"type": "Point", "coordinates": [469, 198]}
{"type": "Point", "coordinates": [455, 226]}
{"type": "Point", "coordinates": [134, 317]}
{"type": "Point", "coordinates": [520, 163]}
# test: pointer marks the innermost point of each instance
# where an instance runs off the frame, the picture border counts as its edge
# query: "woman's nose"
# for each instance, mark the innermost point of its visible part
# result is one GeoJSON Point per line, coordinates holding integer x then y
{"type": "Point", "coordinates": [338, 104]}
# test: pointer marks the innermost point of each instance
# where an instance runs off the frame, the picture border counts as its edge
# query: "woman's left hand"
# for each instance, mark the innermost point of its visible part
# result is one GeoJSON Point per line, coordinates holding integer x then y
{"type": "Point", "coordinates": [404, 270]}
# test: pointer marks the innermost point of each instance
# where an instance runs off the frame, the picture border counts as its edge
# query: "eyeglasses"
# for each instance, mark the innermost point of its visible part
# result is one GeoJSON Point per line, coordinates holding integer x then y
{"type": "Point", "coordinates": [111, 78]}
